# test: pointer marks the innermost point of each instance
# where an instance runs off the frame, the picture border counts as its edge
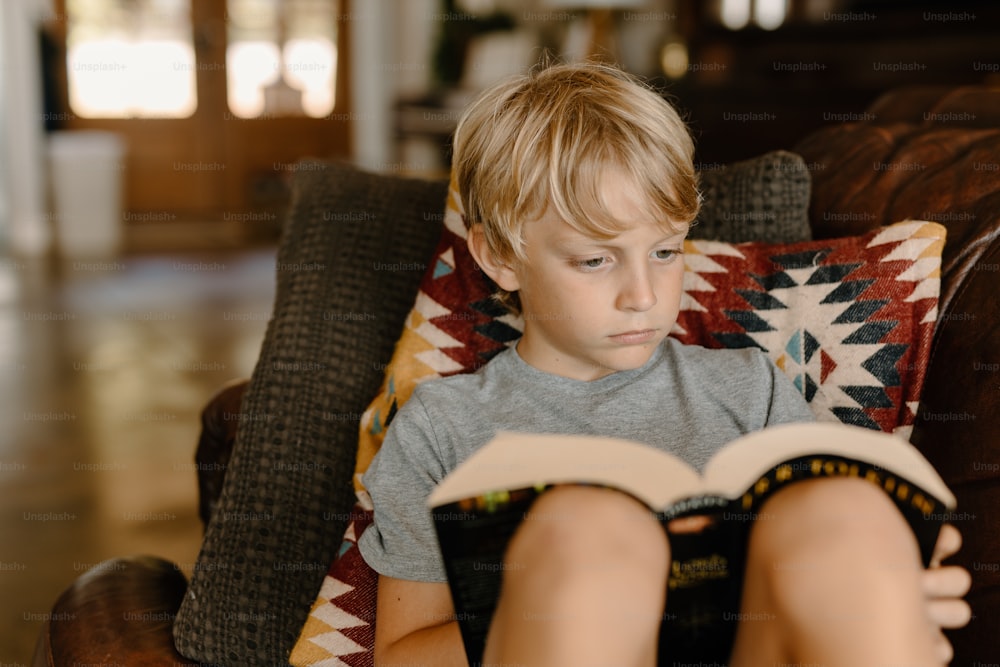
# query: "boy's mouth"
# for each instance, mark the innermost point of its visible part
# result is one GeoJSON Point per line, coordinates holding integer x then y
{"type": "Point", "coordinates": [634, 337]}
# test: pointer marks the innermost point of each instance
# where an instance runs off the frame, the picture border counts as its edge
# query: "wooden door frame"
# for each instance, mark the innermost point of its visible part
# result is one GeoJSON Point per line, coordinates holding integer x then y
{"type": "Point", "coordinates": [225, 151]}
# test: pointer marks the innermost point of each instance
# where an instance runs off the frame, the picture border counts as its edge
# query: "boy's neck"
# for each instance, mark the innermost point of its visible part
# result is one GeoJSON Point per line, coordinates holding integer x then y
{"type": "Point", "coordinates": [601, 372]}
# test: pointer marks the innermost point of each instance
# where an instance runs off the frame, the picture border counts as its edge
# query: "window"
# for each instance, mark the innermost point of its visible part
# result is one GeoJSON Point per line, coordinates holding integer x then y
{"type": "Point", "coordinates": [130, 58]}
{"type": "Point", "coordinates": [281, 57]}
{"type": "Point", "coordinates": [136, 58]}
{"type": "Point", "coordinates": [767, 14]}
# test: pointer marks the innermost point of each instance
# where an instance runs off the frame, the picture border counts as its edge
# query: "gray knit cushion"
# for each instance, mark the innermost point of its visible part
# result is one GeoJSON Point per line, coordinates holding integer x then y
{"type": "Point", "coordinates": [353, 250]}
{"type": "Point", "coordinates": [762, 199]}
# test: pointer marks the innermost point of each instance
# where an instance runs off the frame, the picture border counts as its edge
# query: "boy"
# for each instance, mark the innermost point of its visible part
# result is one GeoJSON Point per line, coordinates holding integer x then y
{"type": "Point", "coordinates": [578, 186]}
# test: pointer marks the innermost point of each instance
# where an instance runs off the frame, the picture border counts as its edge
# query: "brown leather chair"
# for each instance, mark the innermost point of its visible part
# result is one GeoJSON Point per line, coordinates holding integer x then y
{"type": "Point", "coordinates": [933, 153]}
{"type": "Point", "coordinates": [921, 153]}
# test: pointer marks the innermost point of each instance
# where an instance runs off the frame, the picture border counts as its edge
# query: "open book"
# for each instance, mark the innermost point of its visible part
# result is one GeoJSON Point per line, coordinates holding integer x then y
{"type": "Point", "coordinates": [477, 508]}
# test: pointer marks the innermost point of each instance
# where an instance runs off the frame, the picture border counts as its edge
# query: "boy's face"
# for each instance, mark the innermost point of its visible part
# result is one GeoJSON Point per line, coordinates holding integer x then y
{"type": "Point", "coordinates": [591, 306]}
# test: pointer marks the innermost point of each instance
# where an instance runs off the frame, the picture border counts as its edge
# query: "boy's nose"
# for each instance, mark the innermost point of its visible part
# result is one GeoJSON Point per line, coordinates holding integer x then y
{"type": "Point", "coordinates": [637, 291]}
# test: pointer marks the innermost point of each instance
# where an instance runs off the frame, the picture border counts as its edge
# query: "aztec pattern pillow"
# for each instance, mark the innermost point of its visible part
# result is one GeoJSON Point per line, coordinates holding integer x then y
{"type": "Point", "coordinates": [849, 320]}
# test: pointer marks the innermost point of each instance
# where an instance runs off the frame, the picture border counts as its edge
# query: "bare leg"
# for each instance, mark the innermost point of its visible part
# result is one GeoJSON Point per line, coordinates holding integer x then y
{"type": "Point", "coordinates": [833, 578]}
{"type": "Point", "coordinates": [584, 583]}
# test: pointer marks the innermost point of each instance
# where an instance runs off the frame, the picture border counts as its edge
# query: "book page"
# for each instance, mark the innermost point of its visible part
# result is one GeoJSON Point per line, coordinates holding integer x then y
{"type": "Point", "coordinates": [521, 460]}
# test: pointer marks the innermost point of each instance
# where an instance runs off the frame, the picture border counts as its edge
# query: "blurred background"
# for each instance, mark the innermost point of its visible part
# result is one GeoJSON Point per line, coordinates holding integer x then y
{"type": "Point", "coordinates": [146, 148]}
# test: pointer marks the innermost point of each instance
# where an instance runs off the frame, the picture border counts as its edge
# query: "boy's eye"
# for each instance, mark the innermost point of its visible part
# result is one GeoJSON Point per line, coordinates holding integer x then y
{"type": "Point", "coordinates": [666, 253]}
{"type": "Point", "coordinates": [591, 263]}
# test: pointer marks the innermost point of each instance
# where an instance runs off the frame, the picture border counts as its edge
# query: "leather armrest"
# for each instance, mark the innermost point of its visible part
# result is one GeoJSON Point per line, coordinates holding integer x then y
{"type": "Point", "coordinates": [119, 612]}
{"type": "Point", "coordinates": [219, 422]}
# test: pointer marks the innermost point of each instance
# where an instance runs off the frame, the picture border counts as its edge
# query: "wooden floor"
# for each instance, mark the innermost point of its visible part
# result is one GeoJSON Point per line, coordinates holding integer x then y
{"type": "Point", "coordinates": [104, 368]}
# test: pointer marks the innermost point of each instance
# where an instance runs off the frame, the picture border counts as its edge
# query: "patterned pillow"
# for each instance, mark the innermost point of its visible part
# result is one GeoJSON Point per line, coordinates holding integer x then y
{"type": "Point", "coordinates": [849, 320]}
{"type": "Point", "coordinates": [340, 628]}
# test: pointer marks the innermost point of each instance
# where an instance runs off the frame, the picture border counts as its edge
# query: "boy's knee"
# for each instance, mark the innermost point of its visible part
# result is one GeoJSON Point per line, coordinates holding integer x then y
{"type": "Point", "coordinates": [845, 511]}
{"type": "Point", "coordinates": [585, 564]}
{"type": "Point", "coordinates": [852, 500]}
{"type": "Point", "coordinates": [576, 528]}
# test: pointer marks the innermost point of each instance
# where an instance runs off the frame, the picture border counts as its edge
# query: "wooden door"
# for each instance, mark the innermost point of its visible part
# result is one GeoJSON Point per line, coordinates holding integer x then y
{"type": "Point", "coordinates": [214, 165]}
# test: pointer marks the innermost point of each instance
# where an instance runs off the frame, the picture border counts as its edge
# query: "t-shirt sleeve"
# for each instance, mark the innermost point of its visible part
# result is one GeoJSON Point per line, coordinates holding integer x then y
{"type": "Point", "coordinates": [401, 541]}
{"type": "Point", "coordinates": [787, 402]}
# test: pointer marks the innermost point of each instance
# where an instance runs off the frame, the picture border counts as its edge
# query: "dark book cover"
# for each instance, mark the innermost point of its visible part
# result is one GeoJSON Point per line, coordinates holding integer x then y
{"type": "Point", "coordinates": [708, 534]}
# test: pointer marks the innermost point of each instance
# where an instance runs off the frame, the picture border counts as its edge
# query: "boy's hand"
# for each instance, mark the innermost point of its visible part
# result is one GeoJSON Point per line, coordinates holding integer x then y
{"type": "Point", "coordinates": [944, 587]}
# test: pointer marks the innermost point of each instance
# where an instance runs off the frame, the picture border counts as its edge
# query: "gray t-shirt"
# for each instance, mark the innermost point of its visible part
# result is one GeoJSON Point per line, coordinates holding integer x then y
{"type": "Point", "coordinates": [687, 400]}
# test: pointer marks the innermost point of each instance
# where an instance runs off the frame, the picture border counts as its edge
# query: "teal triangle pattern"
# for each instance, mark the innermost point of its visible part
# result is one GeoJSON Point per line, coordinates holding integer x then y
{"type": "Point", "coordinates": [794, 347]}
{"type": "Point", "coordinates": [441, 269]}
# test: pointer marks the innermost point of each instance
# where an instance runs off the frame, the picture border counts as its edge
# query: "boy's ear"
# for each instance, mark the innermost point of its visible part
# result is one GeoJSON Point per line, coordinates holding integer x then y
{"type": "Point", "coordinates": [500, 272]}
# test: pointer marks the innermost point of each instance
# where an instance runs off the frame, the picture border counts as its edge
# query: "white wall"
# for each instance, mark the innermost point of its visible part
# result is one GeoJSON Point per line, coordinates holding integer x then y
{"type": "Point", "coordinates": [391, 58]}
{"type": "Point", "coordinates": [23, 216]}
{"type": "Point", "coordinates": [391, 46]}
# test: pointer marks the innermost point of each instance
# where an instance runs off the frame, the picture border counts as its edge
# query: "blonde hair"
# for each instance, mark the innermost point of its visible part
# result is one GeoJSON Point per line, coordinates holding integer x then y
{"type": "Point", "coordinates": [547, 138]}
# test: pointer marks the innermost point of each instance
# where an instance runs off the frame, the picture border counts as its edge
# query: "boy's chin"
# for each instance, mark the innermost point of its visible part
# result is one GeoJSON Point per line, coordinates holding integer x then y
{"type": "Point", "coordinates": [630, 359]}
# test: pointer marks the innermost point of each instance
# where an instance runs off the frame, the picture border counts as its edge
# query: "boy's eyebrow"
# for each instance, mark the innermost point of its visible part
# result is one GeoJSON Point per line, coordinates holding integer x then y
{"type": "Point", "coordinates": [565, 240]}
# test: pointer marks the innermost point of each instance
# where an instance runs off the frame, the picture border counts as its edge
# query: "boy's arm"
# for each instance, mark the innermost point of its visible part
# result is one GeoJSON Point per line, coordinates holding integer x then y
{"type": "Point", "coordinates": [415, 625]}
